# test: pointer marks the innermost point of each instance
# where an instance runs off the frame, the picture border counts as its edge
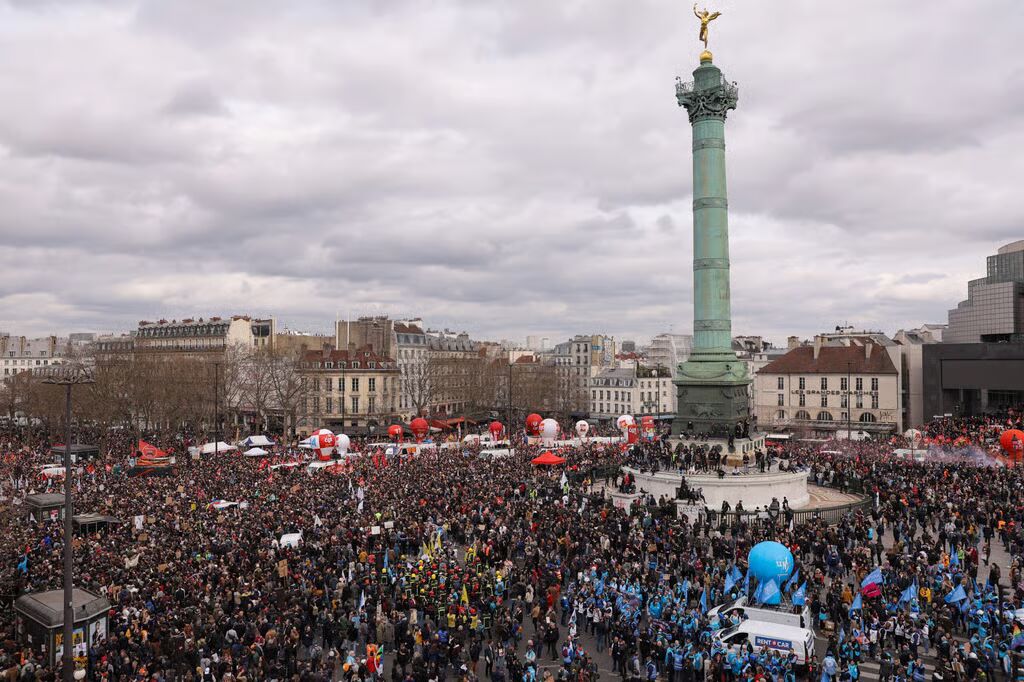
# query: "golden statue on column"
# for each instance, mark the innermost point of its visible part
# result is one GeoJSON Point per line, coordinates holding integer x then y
{"type": "Point", "coordinates": [706, 18]}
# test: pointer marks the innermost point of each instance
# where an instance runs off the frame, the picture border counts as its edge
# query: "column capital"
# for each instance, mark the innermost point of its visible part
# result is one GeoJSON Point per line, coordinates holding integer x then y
{"type": "Point", "coordinates": [708, 96]}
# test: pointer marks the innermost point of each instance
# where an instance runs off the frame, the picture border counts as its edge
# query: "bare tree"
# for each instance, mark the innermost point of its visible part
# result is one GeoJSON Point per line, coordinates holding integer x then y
{"type": "Point", "coordinates": [288, 387]}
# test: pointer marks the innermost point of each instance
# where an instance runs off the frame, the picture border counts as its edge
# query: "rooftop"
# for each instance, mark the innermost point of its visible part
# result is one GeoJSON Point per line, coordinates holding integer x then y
{"type": "Point", "coordinates": [47, 608]}
{"type": "Point", "coordinates": [870, 358]}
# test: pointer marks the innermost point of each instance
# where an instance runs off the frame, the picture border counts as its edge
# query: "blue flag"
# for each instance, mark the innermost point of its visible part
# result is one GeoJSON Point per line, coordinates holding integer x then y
{"type": "Point", "coordinates": [793, 580]}
{"type": "Point", "coordinates": [956, 595]}
{"type": "Point", "coordinates": [768, 591]}
{"type": "Point", "coordinates": [954, 558]}
{"type": "Point", "coordinates": [704, 601]}
{"type": "Point", "coordinates": [737, 574]}
{"type": "Point", "coordinates": [23, 564]}
{"type": "Point", "coordinates": [730, 582]}
{"type": "Point", "coordinates": [800, 596]}
{"type": "Point", "coordinates": [872, 578]}
{"type": "Point", "coordinates": [909, 593]}
{"type": "Point", "coordinates": [856, 606]}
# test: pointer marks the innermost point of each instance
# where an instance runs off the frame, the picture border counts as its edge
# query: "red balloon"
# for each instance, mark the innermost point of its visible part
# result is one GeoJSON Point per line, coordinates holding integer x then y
{"type": "Point", "coordinates": [496, 429]}
{"type": "Point", "coordinates": [533, 424]}
{"type": "Point", "coordinates": [1006, 440]}
{"type": "Point", "coordinates": [420, 428]}
{"type": "Point", "coordinates": [395, 431]}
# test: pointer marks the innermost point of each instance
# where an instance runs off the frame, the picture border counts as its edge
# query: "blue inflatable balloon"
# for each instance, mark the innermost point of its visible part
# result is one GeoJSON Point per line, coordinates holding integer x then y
{"type": "Point", "coordinates": [771, 561]}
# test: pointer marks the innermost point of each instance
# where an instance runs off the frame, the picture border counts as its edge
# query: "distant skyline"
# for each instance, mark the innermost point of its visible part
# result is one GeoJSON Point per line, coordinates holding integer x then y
{"type": "Point", "coordinates": [508, 169]}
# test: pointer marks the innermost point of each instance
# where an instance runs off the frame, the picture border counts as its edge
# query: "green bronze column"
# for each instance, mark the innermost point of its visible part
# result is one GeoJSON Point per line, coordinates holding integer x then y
{"type": "Point", "coordinates": [712, 383]}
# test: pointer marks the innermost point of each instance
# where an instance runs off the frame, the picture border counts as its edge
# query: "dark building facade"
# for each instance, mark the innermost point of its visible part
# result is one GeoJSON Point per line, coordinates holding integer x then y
{"type": "Point", "coordinates": [972, 378]}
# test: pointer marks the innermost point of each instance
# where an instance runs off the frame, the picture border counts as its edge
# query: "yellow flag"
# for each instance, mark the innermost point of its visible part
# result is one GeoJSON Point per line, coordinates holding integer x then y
{"type": "Point", "coordinates": [465, 596]}
{"type": "Point", "coordinates": [437, 541]}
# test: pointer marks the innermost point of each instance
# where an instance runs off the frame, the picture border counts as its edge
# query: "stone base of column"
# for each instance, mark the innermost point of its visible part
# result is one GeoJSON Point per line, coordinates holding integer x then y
{"type": "Point", "coordinates": [712, 408]}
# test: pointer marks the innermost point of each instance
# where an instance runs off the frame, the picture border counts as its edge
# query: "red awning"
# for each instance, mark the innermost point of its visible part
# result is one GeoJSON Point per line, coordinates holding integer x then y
{"type": "Point", "coordinates": [547, 459]}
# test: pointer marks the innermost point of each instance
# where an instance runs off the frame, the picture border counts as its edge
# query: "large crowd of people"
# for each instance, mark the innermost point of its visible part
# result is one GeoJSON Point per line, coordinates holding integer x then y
{"type": "Point", "coordinates": [451, 565]}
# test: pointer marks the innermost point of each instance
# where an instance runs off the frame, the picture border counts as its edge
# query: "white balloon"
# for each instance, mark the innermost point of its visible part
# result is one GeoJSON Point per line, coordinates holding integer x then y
{"type": "Point", "coordinates": [582, 427]}
{"type": "Point", "coordinates": [549, 429]}
{"type": "Point", "coordinates": [343, 443]}
{"type": "Point", "coordinates": [624, 421]}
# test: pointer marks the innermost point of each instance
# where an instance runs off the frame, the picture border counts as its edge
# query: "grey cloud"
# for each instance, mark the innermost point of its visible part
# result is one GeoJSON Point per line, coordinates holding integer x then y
{"type": "Point", "coordinates": [504, 167]}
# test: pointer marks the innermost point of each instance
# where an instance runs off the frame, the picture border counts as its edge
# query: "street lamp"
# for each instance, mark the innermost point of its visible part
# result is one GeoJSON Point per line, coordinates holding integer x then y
{"type": "Point", "coordinates": [68, 375]}
{"type": "Point", "coordinates": [849, 407]}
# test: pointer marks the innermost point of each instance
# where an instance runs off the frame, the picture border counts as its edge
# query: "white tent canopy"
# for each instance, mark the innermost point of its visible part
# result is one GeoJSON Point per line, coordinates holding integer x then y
{"type": "Point", "coordinates": [255, 452]}
{"type": "Point", "coordinates": [256, 441]}
{"type": "Point", "coordinates": [210, 448]}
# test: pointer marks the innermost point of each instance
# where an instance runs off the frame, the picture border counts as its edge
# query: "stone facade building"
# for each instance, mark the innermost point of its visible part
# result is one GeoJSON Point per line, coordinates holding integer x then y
{"type": "Point", "coordinates": [824, 389]}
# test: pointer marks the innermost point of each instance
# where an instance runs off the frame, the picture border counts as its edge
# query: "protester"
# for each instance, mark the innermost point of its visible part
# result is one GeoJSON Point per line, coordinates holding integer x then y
{"type": "Point", "coordinates": [415, 568]}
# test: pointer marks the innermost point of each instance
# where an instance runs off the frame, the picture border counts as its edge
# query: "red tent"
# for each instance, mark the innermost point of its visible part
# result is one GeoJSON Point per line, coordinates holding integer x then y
{"type": "Point", "coordinates": [547, 459]}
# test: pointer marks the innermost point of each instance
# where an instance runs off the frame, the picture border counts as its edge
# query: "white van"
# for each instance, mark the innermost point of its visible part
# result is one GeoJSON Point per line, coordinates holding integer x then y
{"type": "Point", "coordinates": [765, 614]}
{"type": "Point", "coordinates": [781, 638]}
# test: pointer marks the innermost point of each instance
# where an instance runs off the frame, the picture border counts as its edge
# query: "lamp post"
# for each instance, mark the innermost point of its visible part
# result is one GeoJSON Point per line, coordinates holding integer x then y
{"type": "Point", "coordinates": [509, 415]}
{"type": "Point", "coordinates": [216, 408]}
{"type": "Point", "coordinates": [849, 407]}
{"type": "Point", "coordinates": [68, 376]}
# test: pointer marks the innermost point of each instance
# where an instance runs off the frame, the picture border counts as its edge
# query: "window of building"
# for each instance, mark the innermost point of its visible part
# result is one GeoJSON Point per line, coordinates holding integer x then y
{"type": "Point", "coordinates": [316, 384]}
{"type": "Point", "coordinates": [824, 400]}
{"type": "Point", "coordinates": [330, 405]}
{"type": "Point", "coordinates": [867, 417]}
{"type": "Point", "coordinates": [316, 404]}
{"type": "Point", "coordinates": [874, 401]}
{"type": "Point", "coordinates": [824, 416]}
{"type": "Point", "coordinates": [781, 414]}
{"type": "Point", "coordinates": [781, 399]}
{"type": "Point", "coordinates": [843, 384]}
{"type": "Point", "coordinates": [355, 404]}
{"type": "Point", "coordinates": [803, 414]}
{"type": "Point", "coordinates": [371, 404]}
{"type": "Point", "coordinates": [844, 400]}
{"type": "Point", "coordinates": [802, 383]}
{"type": "Point", "coordinates": [874, 383]}
{"type": "Point", "coordinates": [781, 383]}
{"type": "Point", "coordinates": [372, 381]}
{"type": "Point", "coordinates": [355, 385]}
{"type": "Point", "coordinates": [824, 383]}
{"type": "Point", "coordinates": [859, 383]}
{"type": "Point", "coordinates": [860, 401]}
{"type": "Point", "coordinates": [803, 400]}
{"type": "Point", "coordinates": [328, 386]}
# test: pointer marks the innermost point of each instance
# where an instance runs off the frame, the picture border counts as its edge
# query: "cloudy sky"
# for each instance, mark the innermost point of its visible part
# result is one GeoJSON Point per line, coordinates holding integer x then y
{"type": "Point", "coordinates": [509, 167]}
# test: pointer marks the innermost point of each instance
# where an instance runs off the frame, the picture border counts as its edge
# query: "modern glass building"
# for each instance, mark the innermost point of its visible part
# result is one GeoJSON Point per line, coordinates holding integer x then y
{"type": "Point", "coordinates": [994, 309]}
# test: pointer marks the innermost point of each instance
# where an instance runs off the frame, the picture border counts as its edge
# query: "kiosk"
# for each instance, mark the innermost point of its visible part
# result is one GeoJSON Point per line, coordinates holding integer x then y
{"type": "Point", "coordinates": [40, 620]}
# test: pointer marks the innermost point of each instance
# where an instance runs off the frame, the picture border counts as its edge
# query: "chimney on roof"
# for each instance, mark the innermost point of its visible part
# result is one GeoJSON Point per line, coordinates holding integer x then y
{"type": "Point", "coordinates": [792, 342]}
{"type": "Point", "coordinates": [817, 345]}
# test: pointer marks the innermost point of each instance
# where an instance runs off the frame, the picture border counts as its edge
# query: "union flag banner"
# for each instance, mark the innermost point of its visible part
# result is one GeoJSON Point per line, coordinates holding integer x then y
{"type": "Point", "coordinates": [150, 451]}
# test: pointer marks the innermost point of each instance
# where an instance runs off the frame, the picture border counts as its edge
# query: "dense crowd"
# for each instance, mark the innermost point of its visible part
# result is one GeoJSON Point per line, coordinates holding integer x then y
{"type": "Point", "coordinates": [453, 565]}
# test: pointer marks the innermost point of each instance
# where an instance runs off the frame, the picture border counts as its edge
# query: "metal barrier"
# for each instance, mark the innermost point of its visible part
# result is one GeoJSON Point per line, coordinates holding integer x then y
{"type": "Point", "coordinates": [831, 515]}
